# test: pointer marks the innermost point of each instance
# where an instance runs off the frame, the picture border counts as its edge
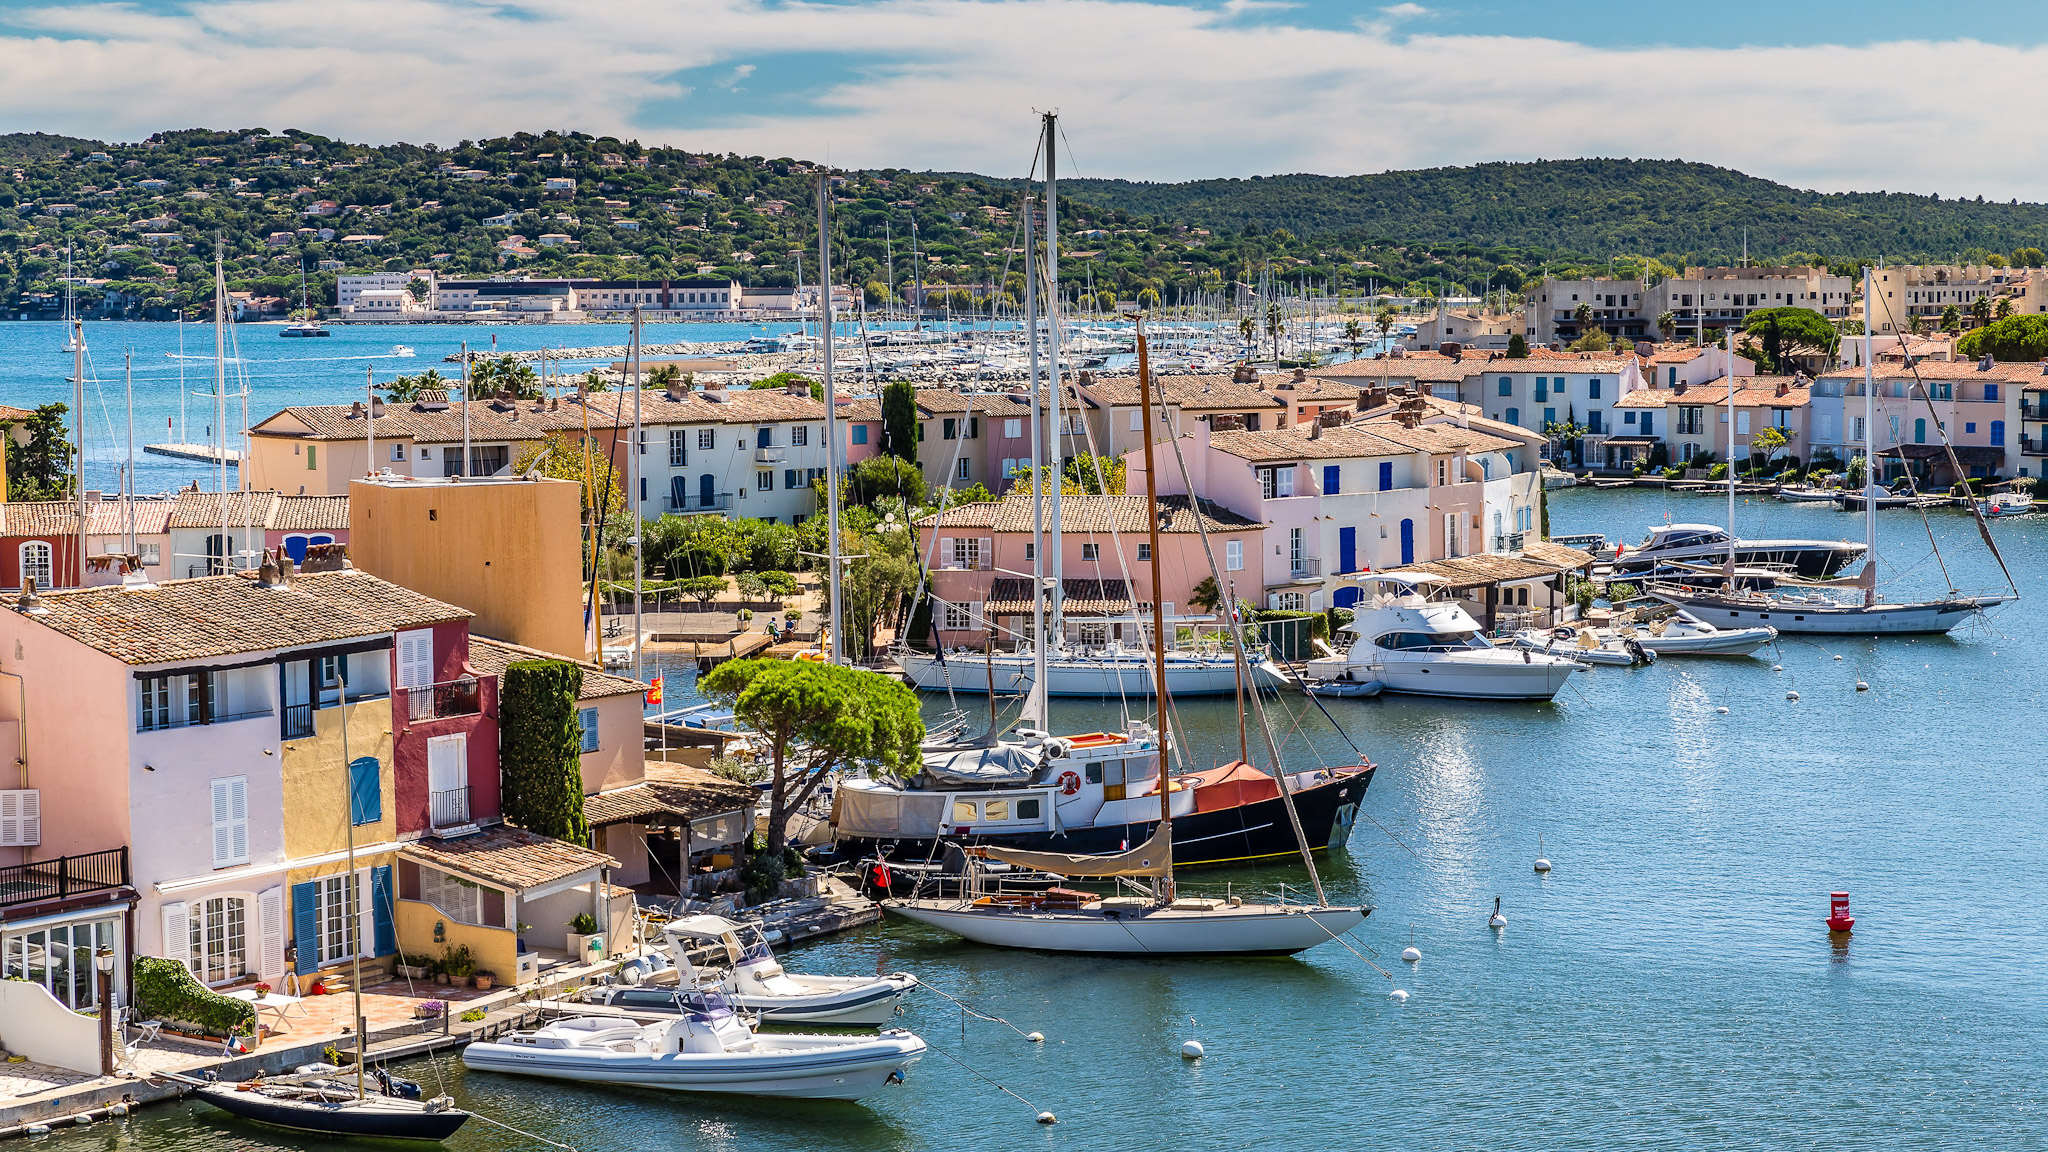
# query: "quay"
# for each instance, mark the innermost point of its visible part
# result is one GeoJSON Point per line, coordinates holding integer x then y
{"type": "Point", "coordinates": [205, 453]}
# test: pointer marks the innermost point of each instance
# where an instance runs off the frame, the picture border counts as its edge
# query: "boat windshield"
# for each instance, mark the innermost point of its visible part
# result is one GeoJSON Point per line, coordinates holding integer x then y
{"type": "Point", "coordinates": [703, 1003]}
{"type": "Point", "coordinates": [1431, 641]}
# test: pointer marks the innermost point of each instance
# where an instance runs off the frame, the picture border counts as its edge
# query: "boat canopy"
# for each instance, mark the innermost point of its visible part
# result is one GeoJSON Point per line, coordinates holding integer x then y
{"type": "Point", "coordinates": [703, 927]}
{"type": "Point", "coordinates": [1152, 858]}
{"type": "Point", "coordinates": [883, 813]}
{"type": "Point", "coordinates": [991, 765]}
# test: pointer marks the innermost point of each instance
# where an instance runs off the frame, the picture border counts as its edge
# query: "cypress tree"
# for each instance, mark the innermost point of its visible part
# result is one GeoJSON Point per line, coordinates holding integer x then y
{"type": "Point", "coordinates": [899, 420]}
{"type": "Point", "coordinates": [540, 749]}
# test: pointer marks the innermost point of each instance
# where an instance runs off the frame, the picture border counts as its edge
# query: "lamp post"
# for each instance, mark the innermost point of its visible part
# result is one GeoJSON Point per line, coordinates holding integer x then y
{"type": "Point", "coordinates": [103, 962]}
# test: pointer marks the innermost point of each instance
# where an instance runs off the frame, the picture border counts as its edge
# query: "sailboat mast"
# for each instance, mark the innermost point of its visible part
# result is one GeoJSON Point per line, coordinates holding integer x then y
{"type": "Point", "coordinates": [1158, 609]}
{"type": "Point", "coordinates": [635, 464]}
{"type": "Point", "coordinates": [1869, 456]}
{"type": "Point", "coordinates": [832, 450]}
{"type": "Point", "coordinates": [1052, 326]}
{"type": "Point", "coordinates": [78, 433]}
{"type": "Point", "coordinates": [369, 420]}
{"type": "Point", "coordinates": [1728, 362]}
{"type": "Point", "coordinates": [220, 402]}
{"type": "Point", "coordinates": [1036, 712]}
{"type": "Point", "coordinates": [128, 375]}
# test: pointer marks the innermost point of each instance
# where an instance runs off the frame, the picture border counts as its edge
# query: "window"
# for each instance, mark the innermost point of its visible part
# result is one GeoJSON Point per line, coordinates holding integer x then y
{"type": "Point", "coordinates": [974, 427]}
{"type": "Point", "coordinates": [1144, 553]}
{"type": "Point", "coordinates": [365, 791]}
{"type": "Point", "coordinates": [1549, 417]}
{"type": "Point", "coordinates": [1288, 601]}
{"type": "Point", "coordinates": [1991, 392]}
{"type": "Point", "coordinates": [171, 702]}
{"type": "Point", "coordinates": [1543, 388]}
{"type": "Point", "coordinates": [792, 478]}
{"type": "Point", "coordinates": [37, 564]}
{"type": "Point", "coordinates": [950, 429]}
{"type": "Point", "coordinates": [586, 722]}
{"type": "Point", "coordinates": [1970, 427]}
{"type": "Point", "coordinates": [678, 448]}
{"type": "Point", "coordinates": [957, 619]}
{"type": "Point", "coordinates": [1514, 416]}
{"type": "Point", "coordinates": [1030, 551]}
{"type": "Point", "coordinates": [1742, 423]}
{"type": "Point", "coordinates": [217, 939]}
{"type": "Point", "coordinates": [230, 795]}
{"type": "Point", "coordinates": [1386, 475]}
{"type": "Point", "coordinates": [151, 553]}
{"type": "Point", "coordinates": [1233, 555]}
{"type": "Point", "coordinates": [966, 552]}
{"type": "Point", "coordinates": [1294, 549]}
{"type": "Point", "coordinates": [1507, 386]}
{"type": "Point", "coordinates": [1443, 472]}
{"type": "Point", "coordinates": [800, 436]}
{"type": "Point", "coordinates": [1998, 433]}
{"type": "Point", "coordinates": [707, 439]}
{"type": "Point", "coordinates": [1593, 389]}
{"type": "Point", "coordinates": [1332, 479]}
{"type": "Point", "coordinates": [764, 480]}
{"type": "Point", "coordinates": [59, 958]}
{"type": "Point", "coordinates": [860, 433]}
{"type": "Point", "coordinates": [1028, 809]}
{"type": "Point", "coordinates": [398, 453]}
{"type": "Point", "coordinates": [1137, 420]}
{"type": "Point", "coordinates": [1278, 482]}
{"type": "Point", "coordinates": [1091, 552]}
{"type": "Point", "coordinates": [1013, 429]}
{"type": "Point", "coordinates": [764, 437]}
{"type": "Point", "coordinates": [962, 471]}
{"type": "Point", "coordinates": [1628, 417]}
{"type": "Point", "coordinates": [337, 907]}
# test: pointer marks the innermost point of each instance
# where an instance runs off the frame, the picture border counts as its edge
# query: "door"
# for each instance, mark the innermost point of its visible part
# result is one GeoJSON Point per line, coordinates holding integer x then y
{"type": "Point", "coordinates": [1407, 541]}
{"type": "Point", "coordinates": [1346, 597]}
{"type": "Point", "coordinates": [448, 779]}
{"type": "Point", "coordinates": [1347, 549]}
{"type": "Point", "coordinates": [707, 494]}
{"type": "Point", "coordinates": [679, 492]}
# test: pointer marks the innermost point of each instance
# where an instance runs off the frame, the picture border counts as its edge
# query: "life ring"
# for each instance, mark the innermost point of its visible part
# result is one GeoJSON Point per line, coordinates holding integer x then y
{"type": "Point", "coordinates": [1070, 783]}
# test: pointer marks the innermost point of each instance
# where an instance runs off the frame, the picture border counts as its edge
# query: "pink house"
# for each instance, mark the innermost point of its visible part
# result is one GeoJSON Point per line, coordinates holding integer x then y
{"type": "Point", "coordinates": [975, 548]}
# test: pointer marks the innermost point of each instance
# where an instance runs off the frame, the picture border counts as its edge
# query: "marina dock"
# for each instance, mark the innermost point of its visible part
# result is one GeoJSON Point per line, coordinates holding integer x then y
{"type": "Point", "coordinates": [205, 453]}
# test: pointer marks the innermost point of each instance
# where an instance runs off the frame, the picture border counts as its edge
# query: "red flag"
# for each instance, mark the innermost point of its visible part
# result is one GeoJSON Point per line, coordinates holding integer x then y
{"type": "Point", "coordinates": [654, 689]}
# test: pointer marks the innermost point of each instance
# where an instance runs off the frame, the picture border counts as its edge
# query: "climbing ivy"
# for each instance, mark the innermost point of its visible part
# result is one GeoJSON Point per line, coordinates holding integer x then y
{"type": "Point", "coordinates": [540, 748]}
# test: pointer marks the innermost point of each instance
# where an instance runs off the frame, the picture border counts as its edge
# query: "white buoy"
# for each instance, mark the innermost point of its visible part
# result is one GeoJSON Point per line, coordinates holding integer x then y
{"type": "Point", "coordinates": [1036, 1037]}
{"type": "Point", "coordinates": [120, 1109]}
{"type": "Point", "coordinates": [1791, 695]}
{"type": "Point", "coordinates": [1723, 710]}
{"type": "Point", "coordinates": [1191, 1050]}
{"type": "Point", "coordinates": [1047, 1118]}
{"type": "Point", "coordinates": [1496, 921]}
{"type": "Point", "coordinates": [1862, 687]}
{"type": "Point", "coordinates": [1838, 657]}
{"type": "Point", "coordinates": [1542, 862]}
{"type": "Point", "coordinates": [1398, 996]}
{"type": "Point", "coordinates": [37, 1129]}
{"type": "Point", "coordinates": [1777, 667]}
{"type": "Point", "coordinates": [1411, 953]}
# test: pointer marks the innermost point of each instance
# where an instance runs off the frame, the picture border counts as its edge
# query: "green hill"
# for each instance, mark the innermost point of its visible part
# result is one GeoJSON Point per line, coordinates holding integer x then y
{"type": "Point", "coordinates": [1593, 208]}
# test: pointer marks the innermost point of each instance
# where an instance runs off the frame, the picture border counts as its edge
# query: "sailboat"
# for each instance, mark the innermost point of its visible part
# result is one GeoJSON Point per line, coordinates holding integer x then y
{"type": "Point", "coordinates": [1810, 609]}
{"type": "Point", "coordinates": [327, 1107]}
{"type": "Point", "coordinates": [1114, 669]}
{"type": "Point", "coordinates": [1159, 923]}
{"type": "Point", "coordinates": [307, 326]}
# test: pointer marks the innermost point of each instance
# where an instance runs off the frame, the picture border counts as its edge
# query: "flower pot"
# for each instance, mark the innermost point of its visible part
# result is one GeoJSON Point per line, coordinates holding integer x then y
{"type": "Point", "coordinates": [411, 973]}
{"type": "Point", "coordinates": [483, 983]}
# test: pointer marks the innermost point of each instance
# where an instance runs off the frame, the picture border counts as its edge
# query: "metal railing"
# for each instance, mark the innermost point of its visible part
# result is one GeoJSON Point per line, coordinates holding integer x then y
{"type": "Point", "coordinates": [63, 876]}
{"type": "Point", "coordinates": [2033, 411]}
{"type": "Point", "coordinates": [770, 455]}
{"type": "Point", "coordinates": [720, 502]}
{"type": "Point", "coordinates": [462, 697]}
{"type": "Point", "coordinates": [1507, 541]}
{"type": "Point", "coordinates": [2033, 446]}
{"type": "Point", "coordinates": [449, 807]}
{"type": "Point", "coordinates": [1300, 566]}
{"type": "Point", "coordinates": [298, 721]}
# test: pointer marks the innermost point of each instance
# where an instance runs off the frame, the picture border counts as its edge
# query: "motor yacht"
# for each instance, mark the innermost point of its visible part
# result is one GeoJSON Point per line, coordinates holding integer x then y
{"type": "Point", "coordinates": [1707, 544]}
{"type": "Point", "coordinates": [737, 961]}
{"type": "Point", "coordinates": [708, 1048]}
{"type": "Point", "coordinates": [1410, 643]}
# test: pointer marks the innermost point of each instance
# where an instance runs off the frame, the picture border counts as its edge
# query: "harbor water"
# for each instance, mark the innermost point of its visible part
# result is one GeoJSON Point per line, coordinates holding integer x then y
{"type": "Point", "coordinates": [1669, 985]}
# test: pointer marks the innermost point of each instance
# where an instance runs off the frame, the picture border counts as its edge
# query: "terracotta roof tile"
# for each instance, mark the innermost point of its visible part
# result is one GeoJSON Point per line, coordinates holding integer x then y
{"type": "Point", "coordinates": [1296, 444]}
{"type": "Point", "coordinates": [1010, 596]}
{"type": "Point", "coordinates": [110, 517]}
{"type": "Point", "coordinates": [216, 616]}
{"type": "Point", "coordinates": [310, 514]}
{"type": "Point", "coordinates": [1091, 514]}
{"type": "Point", "coordinates": [489, 658]}
{"type": "Point", "coordinates": [203, 509]}
{"type": "Point", "coordinates": [1219, 393]}
{"type": "Point", "coordinates": [507, 856]}
{"type": "Point", "coordinates": [674, 790]}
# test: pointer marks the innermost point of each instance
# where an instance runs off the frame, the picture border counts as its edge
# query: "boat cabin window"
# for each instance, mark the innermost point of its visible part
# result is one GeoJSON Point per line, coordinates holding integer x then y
{"type": "Point", "coordinates": [996, 810]}
{"type": "Point", "coordinates": [963, 812]}
{"type": "Point", "coordinates": [1429, 642]}
{"type": "Point", "coordinates": [1092, 773]}
{"type": "Point", "coordinates": [1028, 809]}
{"type": "Point", "coordinates": [662, 1000]}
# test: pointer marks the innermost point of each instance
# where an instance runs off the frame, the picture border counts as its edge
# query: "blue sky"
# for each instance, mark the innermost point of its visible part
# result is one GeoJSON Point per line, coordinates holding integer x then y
{"type": "Point", "coordinates": [1879, 95]}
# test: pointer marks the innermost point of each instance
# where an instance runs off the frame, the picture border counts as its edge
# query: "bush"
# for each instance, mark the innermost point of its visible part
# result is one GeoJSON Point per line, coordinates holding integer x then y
{"type": "Point", "coordinates": [458, 961]}
{"type": "Point", "coordinates": [540, 748]}
{"type": "Point", "coordinates": [1718, 472]}
{"type": "Point", "coordinates": [167, 990]}
{"type": "Point", "coordinates": [763, 875]}
{"type": "Point", "coordinates": [583, 924]}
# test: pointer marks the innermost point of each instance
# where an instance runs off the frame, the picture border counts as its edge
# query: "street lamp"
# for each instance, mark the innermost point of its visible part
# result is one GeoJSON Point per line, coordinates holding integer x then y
{"type": "Point", "coordinates": [103, 961]}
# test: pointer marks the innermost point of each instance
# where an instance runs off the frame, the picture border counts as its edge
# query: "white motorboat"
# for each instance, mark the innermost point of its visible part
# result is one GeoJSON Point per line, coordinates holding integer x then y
{"type": "Point", "coordinates": [707, 1049]}
{"type": "Point", "coordinates": [1410, 643]}
{"type": "Point", "coordinates": [1585, 646]}
{"type": "Point", "coordinates": [1707, 544]}
{"type": "Point", "coordinates": [1684, 634]}
{"type": "Point", "coordinates": [1801, 495]}
{"type": "Point", "coordinates": [742, 967]}
{"type": "Point", "coordinates": [1555, 477]}
{"type": "Point", "coordinates": [2010, 503]}
{"type": "Point", "coordinates": [1110, 670]}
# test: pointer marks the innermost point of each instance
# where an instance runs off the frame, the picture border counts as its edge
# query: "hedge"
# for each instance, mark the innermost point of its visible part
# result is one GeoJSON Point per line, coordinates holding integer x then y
{"type": "Point", "coordinates": [167, 990]}
{"type": "Point", "coordinates": [540, 748]}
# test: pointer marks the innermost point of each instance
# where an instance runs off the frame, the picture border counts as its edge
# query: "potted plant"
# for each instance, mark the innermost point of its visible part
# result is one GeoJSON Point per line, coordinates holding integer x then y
{"type": "Point", "coordinates": [429, 1009]}
{"type": "Point", "coordinates": [415, 967]}
{"type": "Point", "coordinates": [262, 990]}
{"type": "Point", "coordinates": [583, 937]}
{"type": "Point", "coordinates": [459, 963]}
{"type": "Point", "coordinates": [483, 980]}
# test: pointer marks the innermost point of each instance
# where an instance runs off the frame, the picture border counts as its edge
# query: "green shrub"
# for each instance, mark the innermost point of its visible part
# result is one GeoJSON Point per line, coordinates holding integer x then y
{"type": "Point", "coordinates": [167, 990]}
{"type": "Point", "coordinates": [583, 924]}
{"type": "Point", "coordinates": [458, 961]}
{"type": "Point", "coordinates": [763, 875]}
{"type": "Point", "coordinates": [1718, 472]}
{"type": "Point", "coordinates": [471, 1016]}
{"type": "Point", "coordinates": [540, 748]}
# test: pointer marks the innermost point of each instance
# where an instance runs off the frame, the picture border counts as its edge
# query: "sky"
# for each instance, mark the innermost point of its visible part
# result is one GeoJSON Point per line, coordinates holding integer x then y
{"type": "Point", "coordinates": [1877, 95]}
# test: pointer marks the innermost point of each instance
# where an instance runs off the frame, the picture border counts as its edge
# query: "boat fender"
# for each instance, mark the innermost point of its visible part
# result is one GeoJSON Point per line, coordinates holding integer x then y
{"type": "Point", "coordinates": [1070, 783]}
{"type": "Point", "coordinates": [1054, 749]}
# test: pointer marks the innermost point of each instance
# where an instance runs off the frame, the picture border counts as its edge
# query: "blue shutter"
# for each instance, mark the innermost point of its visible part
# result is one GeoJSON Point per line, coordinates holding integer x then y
{"type": "Point", "coordinates": [1386, 476]}
{"type": "Point", "coordinates": [1407, 541]}
{"type": "Point", "coordinates": [383, 934]}
{"type": "Point", "coordinates": [1347, 549]}
{"type": "Point", "coordinates": [365, 795]}
{"type": "Point", "coordinates": [1515, 416]}
{"type": "Point", "coordinates": [1330, 479]}
{"type": "Point", "coordinates": [306, 925]}
{"type": "Point", "coordinates": [1998, 433]}
{"type": "Point", "coordinates": [790, 478]}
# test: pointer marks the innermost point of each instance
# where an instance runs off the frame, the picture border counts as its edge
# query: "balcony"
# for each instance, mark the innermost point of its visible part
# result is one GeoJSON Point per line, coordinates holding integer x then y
{"type": "Point", "coordinates": [770, 455]}
{"type": "Point", "coordinates": [298, 721]}
{"type": "Point", "coordinates": [449, 808]}
{"type": "Point", "coordinates": [2035, 411]}
{"type": "Point", "coordinates": [717, 502]}
{"type": "Point", "coordinates": [1508, 541]}
{"type": "Point", "coordinates": [63, 876]}
{"type": "Point", "coordinates": [2033, 446]}
{"type": "Point", "coordinates": [462, 697]}
{"type": "Point", "coordinates": [1308, 569]}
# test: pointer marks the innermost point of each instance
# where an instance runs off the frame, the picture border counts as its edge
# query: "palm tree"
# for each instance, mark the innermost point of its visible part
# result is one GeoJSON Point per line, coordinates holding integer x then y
{"type": "Point", "coordinates": [1274, 327]}
{"type": "Point", "coordinates": [1980, 311]}
{"type": "Point", "coordinates": [1667, 323]}
{"type": "Point", "coordinates": [1951, 318]}
{"type": "Point", "coordinates": [2003, 309]}
{"type": "Point", "coordinates": [1247, 329]}
{"type": "Point", "coordinates": [1354, 333]}
{"type": "Point", "coordinates": [1584, 315]}
{"type": "Point", "coordinates": [1384, 321]}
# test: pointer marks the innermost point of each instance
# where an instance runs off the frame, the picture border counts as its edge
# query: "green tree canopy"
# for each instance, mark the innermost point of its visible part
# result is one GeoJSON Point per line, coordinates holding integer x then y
{"type": "Point", "coordinates": [41, 468]}
{"type": "Point", "coordinates": [1784, 331]}
{"type": "Point", "coordinates": [785, 379]}
{"type": "Point", "coordinates": [899, 420]}
{"type": "Point", "coordinates": [816, 719]}
{"type": "Point", "coordinates": [880, 476]}
{"type": "Point", "coordinates": [2015, 338]}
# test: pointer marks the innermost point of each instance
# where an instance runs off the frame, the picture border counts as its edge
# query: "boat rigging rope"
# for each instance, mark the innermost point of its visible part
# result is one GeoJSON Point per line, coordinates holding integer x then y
{"type": "Point", "coordinates": [521, 1132]}
{"type": "Point", "coordinates": [997, 1085]}
{"type": "Point", "coordinates": [971, 1010]}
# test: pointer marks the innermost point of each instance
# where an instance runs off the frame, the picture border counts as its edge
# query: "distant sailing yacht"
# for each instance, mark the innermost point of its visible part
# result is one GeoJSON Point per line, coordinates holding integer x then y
{"type": "Point", "coordinates": [308, 326]}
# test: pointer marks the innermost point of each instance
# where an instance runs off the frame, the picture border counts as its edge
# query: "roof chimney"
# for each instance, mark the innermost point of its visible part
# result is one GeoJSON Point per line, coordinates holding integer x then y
{"type": "Point", "coordinates": [1984, 365]}
{"type": "Point", "coordinates": [355, 410]}
{"type": "Point", "coordinates": [1783, 387]}
{"type": "Point", "coordinates": [1300, 374]}
{"type": "Point", "coordinates": [803, 390]}
{"type": "Point", "coordinates": [28, 603]}
{"type": "Point", "coordinates": [1315, 430]}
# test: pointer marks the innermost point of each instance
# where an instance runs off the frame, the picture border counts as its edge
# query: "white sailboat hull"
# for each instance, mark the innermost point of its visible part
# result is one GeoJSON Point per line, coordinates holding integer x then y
{"type": "Point", "coordinates": [1011, 675]}
{"type": "Point", "coordinates": [1248, 930]}
{"type": "Point", "coordinates": [1934, 617]}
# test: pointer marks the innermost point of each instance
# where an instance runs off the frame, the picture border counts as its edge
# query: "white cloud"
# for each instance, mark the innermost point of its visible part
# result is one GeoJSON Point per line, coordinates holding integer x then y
{"type": "Point", "coordinates": [1405, 12]}
{"type": "Point", "coordinates": [1147, 89]}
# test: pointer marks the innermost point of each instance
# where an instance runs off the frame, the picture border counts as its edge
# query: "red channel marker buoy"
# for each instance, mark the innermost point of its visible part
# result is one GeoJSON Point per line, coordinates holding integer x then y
{"type": "Point", "coordinates": [1839, 919]}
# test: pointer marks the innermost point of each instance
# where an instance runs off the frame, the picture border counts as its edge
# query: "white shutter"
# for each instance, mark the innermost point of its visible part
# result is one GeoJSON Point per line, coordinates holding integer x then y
{"type": "Point", "coordinates": [987, 558]}
{"type": "Point", "coordinates": [230, 821]}
{"type": "Point", "coordinates": [974, 617]}
{"type": "Point", "coordinates": [416, 658]}
{"type": "Point", "coordinates": [366, 940]}
{"type": "Point", "coordinates": [21, 818]}
{"type": "Point", "coordinates": [270, 919]}
{"type": "Point", "coordinates": [946, 557]}
{"type": "Point", "coordinates": [177, 933]}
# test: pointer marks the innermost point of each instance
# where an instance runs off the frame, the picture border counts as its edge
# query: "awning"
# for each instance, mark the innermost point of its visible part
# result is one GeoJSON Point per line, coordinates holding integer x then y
{"type": "Point", "coordinates": [1630, 441]}
{"type": "Point", "coordinates": [507, 857]}
{"type": "Point", "coordinates": [1965, 454]}
{"type": "Point", "coordinates": [1539, 560]}
{"type": "Point", "coordinates": [670, 794]}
